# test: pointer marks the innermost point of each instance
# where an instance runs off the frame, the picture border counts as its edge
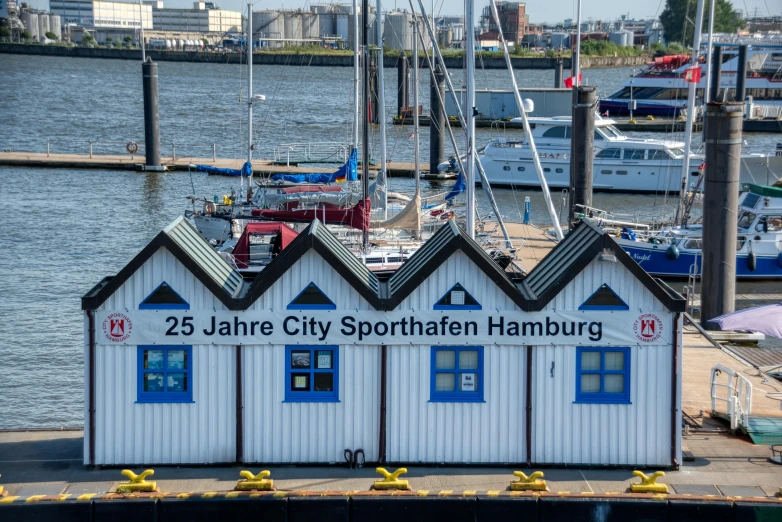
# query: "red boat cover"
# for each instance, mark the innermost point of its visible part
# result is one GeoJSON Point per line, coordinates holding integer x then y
{"type": "Point", "coordinates": [312, 188]}
{"type": "Point", "coordinates": [356, 217]}
{"type": "Point", "coordinates": [285, 235]}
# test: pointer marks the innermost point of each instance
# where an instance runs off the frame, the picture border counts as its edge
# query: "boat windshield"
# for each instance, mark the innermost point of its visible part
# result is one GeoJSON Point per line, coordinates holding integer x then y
{"type": "Point", "coordinates": [612, 131]}
{"type": "Point", "coordinates": [677, 152]}
{"type": "Point", "coordinates": [746, 219]}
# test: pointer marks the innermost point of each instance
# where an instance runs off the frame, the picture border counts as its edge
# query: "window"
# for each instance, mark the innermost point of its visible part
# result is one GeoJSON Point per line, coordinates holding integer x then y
{"type": "Point", "coordinates": [609, 153]}
{"type": "Point", "coordinates": [312, 374]}
{"type": "Point", "coordinates": [546, 169]}
{"type": "Point", "coordinates": [457, 374]}
{"type": "Point", "coordinates": [658, 155]}
{"type": "Point", "coordinates": [557, 132]}
{"type": "Point", "coordinates": [312, 298]}
{"type": "Point", "coordinates": [604, 299]}
{"type": "Point", "coordinates": [598, 136]}
{"type": "Point", "coordinates": [506, 167]}
{"type": "Point", "coordinates": [164, 374]}
{"type": "Point", "coordinates": [692, 243]}
{"type": "Point", "coordinates": [559, 171]}
{"type": "Point", "coordinates": [164, 298]}
{"type": "Point", "coordinates": [634, 154]}
{"type": "Point", "coordinates": [521, 169]}
{"type": "Point", "coordinates": [602, 375]}
{"type": "Point", "coordinates": [746, 219]}
{"type": "Point", "coordinates": [606, 171]}
{"type": "Point", "coordinates": [621, 172]}
{"type": "Point", "coordinates": [457, 298]}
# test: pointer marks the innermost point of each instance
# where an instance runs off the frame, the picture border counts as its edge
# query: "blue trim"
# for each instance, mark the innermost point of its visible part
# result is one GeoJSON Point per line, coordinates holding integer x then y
{"type": "Point", "coordinates": [331, 306]}
{"type": "Point", "coordinates": [603, 397]}
{"type": "Point", "coordinates": [455, 396]}
{"type": "Point", "coordinates": [311, 396]}
{"type": "Point", "coordinates": [585, 306]}
{"type": "Point", "coordinates": [182, 306]}
{"type": "Point", "coordinates": [457, 307]}
{"type": "Point", "coordinates": [164, 396]}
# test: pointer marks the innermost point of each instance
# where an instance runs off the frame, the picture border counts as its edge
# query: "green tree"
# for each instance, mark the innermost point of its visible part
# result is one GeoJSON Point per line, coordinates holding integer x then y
{"type": "Point", "coordinates": [51, 36]}
{"type": "Point", "coordinates": [676, 28]}
{"type": "Point", "coordinates": [87, 38]}
{"type": "Point", "coordinates": [206, 42]}
{"type": "Point", "coordinates": [5, 32]}
{"type": "Point", "coordinates": [109, 39]}
{"type": "Point", "coordinates": [128, 39]}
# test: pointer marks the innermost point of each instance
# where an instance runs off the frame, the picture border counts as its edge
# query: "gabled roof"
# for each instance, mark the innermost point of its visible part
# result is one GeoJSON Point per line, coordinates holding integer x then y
{"type": "Point", "coordinates": [449, 239]}
{"type": "Point", "coordinates": [582, 245]}
{"type": "Point", "coordinates": [317, 237]}
{"type": "Point", "coordinates": [186, 244]}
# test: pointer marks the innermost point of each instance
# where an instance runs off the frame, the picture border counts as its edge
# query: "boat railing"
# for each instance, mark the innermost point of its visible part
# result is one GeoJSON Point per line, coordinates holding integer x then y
{"type": "Point", "coordinates": [317, 152]}
{"type": "Point", "coordinates": [734, 394]}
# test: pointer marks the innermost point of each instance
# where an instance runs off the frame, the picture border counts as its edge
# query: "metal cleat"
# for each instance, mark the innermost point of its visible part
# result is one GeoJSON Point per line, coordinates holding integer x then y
{"type": "Point", "coordinates": [531, 483]}
{"type": "Point", "coordinates": [391, 480]}
{"type": "Point", "coordinates": [255, 482]}
{"type": "Point", "coordinates": [649, 483]}
{"type": "Point", "coordinates": [137, 483]}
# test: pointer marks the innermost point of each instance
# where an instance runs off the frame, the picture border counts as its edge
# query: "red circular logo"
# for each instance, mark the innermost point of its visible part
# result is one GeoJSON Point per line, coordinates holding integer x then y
{"type": "Point", "coordinates": [648, 328]}
{"type": "Point", "coordinates": [116, 327]}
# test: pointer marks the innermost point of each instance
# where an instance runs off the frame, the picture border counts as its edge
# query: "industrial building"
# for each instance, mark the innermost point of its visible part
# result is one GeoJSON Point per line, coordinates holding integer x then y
{"type": "Point", "coordinates": [328, 24]}
{"type": "Point", "coordinates": [398, 31]}
{"type": "Point", "coordinates": [40, 24]}
{"type": "Point", "coordinates": [449, 361]}
{"type": "Point", "coordinates": [102, 14]}
{"type": "Point", "coordinates": [204, 17]}
{"type": "Point", "coordinates": [513, 20]}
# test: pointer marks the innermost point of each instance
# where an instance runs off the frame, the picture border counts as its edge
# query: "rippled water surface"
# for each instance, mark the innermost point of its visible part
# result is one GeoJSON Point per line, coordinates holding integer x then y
{"type": "Point", "coordinates": [62, 230]}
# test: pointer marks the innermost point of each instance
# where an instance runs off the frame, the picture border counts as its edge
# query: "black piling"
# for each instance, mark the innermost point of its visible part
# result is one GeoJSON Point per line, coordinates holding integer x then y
{"type": "Point", "coordinates": [151, 119]}
{"type": "Point", "coordinates": [402, 86]}
{"type": "Point", "coordinates": [558, 73]}
{"type": "Point", "coordinates": [437, 125]}
{"type": "Point", "coordinates": [582, 147]}
{"type": "Point", "coordinates": [722, 126]}
{"type": "Point", "coordinates": [716, 73]}
{"type": "Point", "coordinates": [741, 75]}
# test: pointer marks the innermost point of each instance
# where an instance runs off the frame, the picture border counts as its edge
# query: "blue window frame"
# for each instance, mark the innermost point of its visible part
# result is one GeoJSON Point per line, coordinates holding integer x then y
{"type": "Point", "coordinates": [312, 298]}
{"type": "Point", "coordinates": [457, 298]}
{"type": "Point", "coordinates": [602, 375]}
{"type": "Point", "coordinates": [164, 374]}
{"type": "Point", "coordinates": [164, 298]}
{"type": "Point", "coordinates": [311, 374]}
{"type": "Point", "coordinates": [456, 374]}
{"type": "Point", "coordinates": [604, 299]}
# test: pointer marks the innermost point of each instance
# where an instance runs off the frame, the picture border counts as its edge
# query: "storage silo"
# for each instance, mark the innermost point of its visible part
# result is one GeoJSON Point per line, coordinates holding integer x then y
{"type": "Point", "coordinates": [292, 25]}
{"type": "Point", "coordinates": [458, 32]}
{"type": "Point", "coordinates": [30, 21]}
{"type": "Point", "coordinates": [560, 40]}
{"type": "Point", "coordinates": [397, 32]}
{"type": "Point", "coordinates": [43, 26]}
{"type": "Point", "coordinates": [327, 21]}
{"type": "Point", "coordinates": [630, 37]}
{"type": "Point", "coordinates": [269, 24]}
{"type": "Point", "coordinates": [310, 27]}
{"type": "Point", "coordinates": [55, 25]}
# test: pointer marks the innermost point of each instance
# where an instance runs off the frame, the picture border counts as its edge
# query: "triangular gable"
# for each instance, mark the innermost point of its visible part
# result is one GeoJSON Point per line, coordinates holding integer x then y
{"type": "Point", "coordinates": [580, 247]}
{"type": "Point", "coordinates": [449, 239]}
{"type": "Point", "coordinates": [457, 298]}
{"type": "Point", "coordinates": [311, 298]}
{"type": "Point", "coordinates": [604, 298]}
{"type": "Point", "coordinates": [189, 248]}
{"type": "Point", "coordinates": [164, 298]}
{"type": "Point", "coordinates": [318, 238]}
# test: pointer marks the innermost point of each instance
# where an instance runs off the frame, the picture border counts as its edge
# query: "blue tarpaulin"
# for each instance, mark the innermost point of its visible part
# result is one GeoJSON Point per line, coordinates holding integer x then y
{"type": "Point", "coordinates": [247, 170]}
{"type": "Point", "coordinates": [458, 187]}
{"type": "Point", "coordinates": [347, 172]}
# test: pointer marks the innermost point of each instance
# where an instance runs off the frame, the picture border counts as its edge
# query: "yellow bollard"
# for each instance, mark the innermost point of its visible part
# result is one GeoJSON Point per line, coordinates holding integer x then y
{"type": "Point", "coordinates": [137, 483]}
{"type": "Point", "coordinates": [2, 490]}
{"type": "Point", "coordinates": [650, 117]}
{"type": "Point", "coordinates": [531, 483]}
{"type": "Point", "coordinates": [648, 483]}
{"type": "Point", "coordinates": [631, 120]}
{"type": "Point", "coordinates": [391, 480]}
{"type": "Point", "coordinates": [255, 482]}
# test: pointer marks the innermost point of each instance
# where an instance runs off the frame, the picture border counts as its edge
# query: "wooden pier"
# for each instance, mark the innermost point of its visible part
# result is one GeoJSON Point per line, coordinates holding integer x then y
{"type": "Point", "coordinates": [396, 169]}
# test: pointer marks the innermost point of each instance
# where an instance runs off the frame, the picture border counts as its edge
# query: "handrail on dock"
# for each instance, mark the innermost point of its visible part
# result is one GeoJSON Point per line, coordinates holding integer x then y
{"type": "Point", "coordinates": [738, 397]}
{"type": "Point", "coordinates": [120, 147]}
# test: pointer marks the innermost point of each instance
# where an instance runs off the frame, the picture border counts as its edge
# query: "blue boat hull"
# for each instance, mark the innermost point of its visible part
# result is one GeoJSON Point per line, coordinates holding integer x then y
{"type": "Point", "coordinates": [655, 262]}
{"type": "Point", "coordinates": [619, 107]}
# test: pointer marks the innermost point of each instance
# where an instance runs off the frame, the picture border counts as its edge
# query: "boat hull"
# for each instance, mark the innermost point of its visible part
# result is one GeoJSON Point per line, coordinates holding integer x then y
{"type": "Point", "coordinates": [619, 108]}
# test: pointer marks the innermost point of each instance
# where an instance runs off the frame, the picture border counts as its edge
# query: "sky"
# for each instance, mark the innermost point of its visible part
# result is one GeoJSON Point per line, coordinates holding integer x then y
{"type": "Point", "coordinates": [551, 11]}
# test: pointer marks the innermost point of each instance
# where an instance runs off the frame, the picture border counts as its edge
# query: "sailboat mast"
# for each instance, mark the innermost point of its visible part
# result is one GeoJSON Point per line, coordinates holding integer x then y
{"type": "Point", "coordinates": [691, 90]}
{"type": "Point", "coordinates": [577, 57]}
{"type": "Point", "coordinates": [365, 126]}
{"type": "Point", "coordinates": [469, 34]}
{"type": "Point", "coordinates": [249, 92]}
{"type": "Point", "coordinates": [381, 109]}
{"type": "Point", "coordinates": [416, 143]}
{"type": "Point", "coordinates": [356, 106]}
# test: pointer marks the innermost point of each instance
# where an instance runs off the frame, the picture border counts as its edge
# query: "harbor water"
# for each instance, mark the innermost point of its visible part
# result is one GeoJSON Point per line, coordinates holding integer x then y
{"type": "Point", "coordinates": [64, 230]}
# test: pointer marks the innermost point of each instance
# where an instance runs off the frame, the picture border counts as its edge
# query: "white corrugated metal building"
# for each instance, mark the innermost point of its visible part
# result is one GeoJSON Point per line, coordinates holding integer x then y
{"type": "Point", "coordinates": [449, 361]}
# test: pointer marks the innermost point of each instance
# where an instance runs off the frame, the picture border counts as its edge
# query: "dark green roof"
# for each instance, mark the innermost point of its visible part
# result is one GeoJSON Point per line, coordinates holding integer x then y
{"type": "Point", "coordinates": [764, 190]}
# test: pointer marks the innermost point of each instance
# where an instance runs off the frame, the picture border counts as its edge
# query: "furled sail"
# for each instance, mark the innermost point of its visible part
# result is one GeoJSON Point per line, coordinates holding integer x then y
{"type": "Point", "coordinates": [246, 170]}
{"type": "Point", "coordinates": [347, 172]}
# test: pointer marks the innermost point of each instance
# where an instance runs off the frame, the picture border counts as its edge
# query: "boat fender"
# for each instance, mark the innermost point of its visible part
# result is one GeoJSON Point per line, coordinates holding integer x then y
{"type": "Point", "coordinates": [672, 253]}
{"type": "Point", "coordinates": [210, 208]}
{"type": "Point", "coordinates": [779, 260]}
{"type": "Point", "coordinates": [752, 261]}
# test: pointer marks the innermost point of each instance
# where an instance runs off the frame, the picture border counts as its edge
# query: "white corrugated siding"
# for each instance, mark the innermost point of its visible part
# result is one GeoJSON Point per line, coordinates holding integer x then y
{"type": "Point", "coordinates": [277, 431]}
{"type": "Point", "coordinates": [603, 434]}
{"type": "Point", "coordinates": [194, 433]}
{"type": "Point", "coordinates": [423, 431]}
{"type": "Point", "coordinates": [200, 432]}
{"type": "Point", "coordinates": [457, 432]}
